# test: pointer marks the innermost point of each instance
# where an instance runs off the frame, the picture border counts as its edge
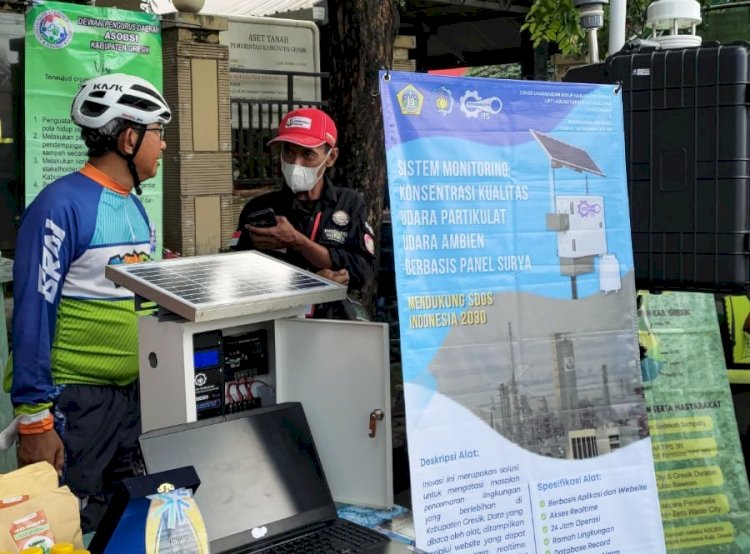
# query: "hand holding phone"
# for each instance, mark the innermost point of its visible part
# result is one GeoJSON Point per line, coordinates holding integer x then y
{"type": "Point", "coordinates": [262, 218]}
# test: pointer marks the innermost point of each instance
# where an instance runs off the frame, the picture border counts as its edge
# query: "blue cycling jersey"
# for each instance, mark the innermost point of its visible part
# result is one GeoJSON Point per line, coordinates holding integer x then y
{"type": "Point", "coordinates": [70, 323]}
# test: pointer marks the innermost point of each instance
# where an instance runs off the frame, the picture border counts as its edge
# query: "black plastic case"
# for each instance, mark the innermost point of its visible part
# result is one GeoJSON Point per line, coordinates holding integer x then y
{"type": "Point", "coordinates": [687, 132]}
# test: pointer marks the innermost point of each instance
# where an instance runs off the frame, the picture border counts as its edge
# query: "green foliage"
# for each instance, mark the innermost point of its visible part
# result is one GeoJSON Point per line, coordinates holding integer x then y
{"type": "Point", "coordinates": [502, 71]}
{"type": "Point", "coordinates": [556, 21]}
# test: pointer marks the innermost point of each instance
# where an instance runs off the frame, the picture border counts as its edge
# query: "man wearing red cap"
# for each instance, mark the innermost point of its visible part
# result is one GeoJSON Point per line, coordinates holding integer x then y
{"type": "Point", "coordinates": [318, 226]}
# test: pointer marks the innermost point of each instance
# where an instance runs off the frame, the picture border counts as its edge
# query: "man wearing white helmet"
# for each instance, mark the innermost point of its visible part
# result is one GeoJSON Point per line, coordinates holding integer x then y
{"type": "Point", "coordinates": [75, 352]}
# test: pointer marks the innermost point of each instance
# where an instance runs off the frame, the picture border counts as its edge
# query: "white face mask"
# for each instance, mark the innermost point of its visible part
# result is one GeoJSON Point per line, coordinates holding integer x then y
{"type": "Point", "coordinates": [301, 178]}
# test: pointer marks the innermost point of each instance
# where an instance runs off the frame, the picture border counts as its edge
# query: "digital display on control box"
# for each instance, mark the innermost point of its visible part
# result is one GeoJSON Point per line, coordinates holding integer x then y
{"type": "Point", "coordinates": [203, 359]}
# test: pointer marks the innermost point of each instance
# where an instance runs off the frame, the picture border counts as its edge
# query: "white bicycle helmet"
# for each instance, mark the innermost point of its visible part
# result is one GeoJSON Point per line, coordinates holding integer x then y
{"type": "Point", "coordinates": [102, 99]}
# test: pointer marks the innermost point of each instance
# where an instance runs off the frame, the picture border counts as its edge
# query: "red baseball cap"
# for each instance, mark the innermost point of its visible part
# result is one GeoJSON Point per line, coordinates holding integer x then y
{"type": "Point", "coordinates": [307, 127]}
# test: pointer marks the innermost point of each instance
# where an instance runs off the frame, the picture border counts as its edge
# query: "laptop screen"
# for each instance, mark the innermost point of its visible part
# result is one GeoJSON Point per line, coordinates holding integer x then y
{"type": "Point", "coordinates": [260, 473]}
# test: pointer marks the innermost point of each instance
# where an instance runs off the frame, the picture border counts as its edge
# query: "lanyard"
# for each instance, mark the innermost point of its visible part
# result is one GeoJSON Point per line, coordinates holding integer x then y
{"type": "Point", "coordinates": [313, 234]}
{"type": "Point", "coordinates": [314, 231]}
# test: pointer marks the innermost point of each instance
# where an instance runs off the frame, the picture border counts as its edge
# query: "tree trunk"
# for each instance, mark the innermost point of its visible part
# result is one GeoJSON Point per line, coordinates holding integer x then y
{"type": "Point", "coordinates": [361, 42]}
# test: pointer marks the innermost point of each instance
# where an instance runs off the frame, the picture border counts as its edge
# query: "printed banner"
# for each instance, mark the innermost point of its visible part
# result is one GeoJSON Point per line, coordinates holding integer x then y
{"type": "Point", "coordinates": [525, 413]}
{"type": "Point", "coordinates": [66, 44]}
{"type": "Point", "coordinates": [700, 471]}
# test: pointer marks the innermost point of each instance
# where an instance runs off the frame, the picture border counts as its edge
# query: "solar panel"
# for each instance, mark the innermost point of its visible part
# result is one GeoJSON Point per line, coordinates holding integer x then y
{"type": "Point", "coordinates": [566, 154]}
{"type": "Point", "coordinates": [220, 286]}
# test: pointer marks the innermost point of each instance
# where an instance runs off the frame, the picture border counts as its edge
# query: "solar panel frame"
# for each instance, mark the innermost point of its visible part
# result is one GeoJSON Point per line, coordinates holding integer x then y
{"type": "Point", "coordinates": [223, 286]}
{"type": "Point", "coordinates": [566, 155]}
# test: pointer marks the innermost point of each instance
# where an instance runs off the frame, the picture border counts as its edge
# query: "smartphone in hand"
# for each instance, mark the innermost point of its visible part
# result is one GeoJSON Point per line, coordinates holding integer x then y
{"type": "Point", "coordinates": [262, 218]}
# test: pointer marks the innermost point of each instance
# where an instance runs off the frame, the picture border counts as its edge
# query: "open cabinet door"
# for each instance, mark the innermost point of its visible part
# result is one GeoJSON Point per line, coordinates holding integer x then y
{"type": "Point", "coordinates": [340, 372]}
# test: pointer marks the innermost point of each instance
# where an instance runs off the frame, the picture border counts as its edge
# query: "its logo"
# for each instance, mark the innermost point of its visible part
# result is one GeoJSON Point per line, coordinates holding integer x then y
{"type": "Point", "coordinates": [340, 218]}
{"type": "Point", "coordinates": [165, 487]}
{"type": "Point", "coordinates": [200, 379]}
{"type": "Point", "coordinates": [335, 235]}
{"type": "Point", "coordinates": [105, 86]}
{"type": "Point", "coordinates": [259, 532]}
{"type": "Point", "coordinates": [152, 238]}
{"type": "Point", "coordinates": [298, 122]}
{"type": "Point", "coordinates": [444, 100]}
{"type": "Point", "coordinates": [49, 269]}
{"type": "Point", "coordinates": [474, 105]}
{"type": "Point", "coordinates": [585, 209]}
{"type": "Point", "coordinates": [53, 29]}
{"type": "Point", "coordinates": [129, 258]}
{"type": "Point", "coordinates": [370, 244]}
{"type": "Point", "coordinates": [410, 100]}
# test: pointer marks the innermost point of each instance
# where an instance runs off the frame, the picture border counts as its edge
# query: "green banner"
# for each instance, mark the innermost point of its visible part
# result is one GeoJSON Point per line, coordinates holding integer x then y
{"type": "Point", "coordinates": [66, 44]}
{"type": "Point", "coordinates": [700, 472]}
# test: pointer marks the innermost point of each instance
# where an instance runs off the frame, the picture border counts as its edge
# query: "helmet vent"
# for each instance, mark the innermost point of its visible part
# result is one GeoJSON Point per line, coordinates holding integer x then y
{"type": "Point", "coordinates": [144, 90]}
{"type": "Point", "coordinates": [139, 103]}
{"type": "Point", "coordinates": [93, 109]}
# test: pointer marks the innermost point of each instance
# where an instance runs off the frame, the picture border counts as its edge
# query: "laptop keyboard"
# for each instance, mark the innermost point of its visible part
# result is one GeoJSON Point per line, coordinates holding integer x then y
{"type": "Point", "coordinates": [340, 537]}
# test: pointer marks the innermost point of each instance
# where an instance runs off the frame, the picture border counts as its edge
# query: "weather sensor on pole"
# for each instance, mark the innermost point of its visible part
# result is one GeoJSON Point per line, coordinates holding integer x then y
{"type": "Point", "coordinates": [579, 219]}
{"type": "Point", "coordinates": [673, 23]}
{"type": "Point", "coordinates": [592, 19]}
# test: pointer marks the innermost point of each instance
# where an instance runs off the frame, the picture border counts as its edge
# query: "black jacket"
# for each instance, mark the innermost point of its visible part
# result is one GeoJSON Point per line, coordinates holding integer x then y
{"type": "Point", "coordinates": [342, 228]}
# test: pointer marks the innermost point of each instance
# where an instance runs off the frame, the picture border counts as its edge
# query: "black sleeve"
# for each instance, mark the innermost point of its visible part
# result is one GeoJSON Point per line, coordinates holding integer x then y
{"type": "Point", "coordinates": [241, 239]}
{"type": "Point", "coordinates": [357, 254]}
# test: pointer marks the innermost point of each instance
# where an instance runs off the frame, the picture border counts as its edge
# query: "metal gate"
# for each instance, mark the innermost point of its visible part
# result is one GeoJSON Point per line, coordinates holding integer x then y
{"type": "Point", "coordinates": [254, 123]}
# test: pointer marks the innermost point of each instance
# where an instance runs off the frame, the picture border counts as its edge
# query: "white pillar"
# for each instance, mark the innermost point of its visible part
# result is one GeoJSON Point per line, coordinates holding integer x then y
{"type": "Point", "coordinates": [617, 15]}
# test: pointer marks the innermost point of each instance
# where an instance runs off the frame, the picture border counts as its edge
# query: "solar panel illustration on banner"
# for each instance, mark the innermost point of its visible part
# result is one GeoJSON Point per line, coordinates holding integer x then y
{"type": "Point", "coordinates": [205, 288]}
{"type": "Point", "coordinates": [567, 155]}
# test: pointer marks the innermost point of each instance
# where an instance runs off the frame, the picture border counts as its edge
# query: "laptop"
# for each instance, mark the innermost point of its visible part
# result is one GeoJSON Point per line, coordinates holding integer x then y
{"type": "Point", "coordinates": [263, 489]}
